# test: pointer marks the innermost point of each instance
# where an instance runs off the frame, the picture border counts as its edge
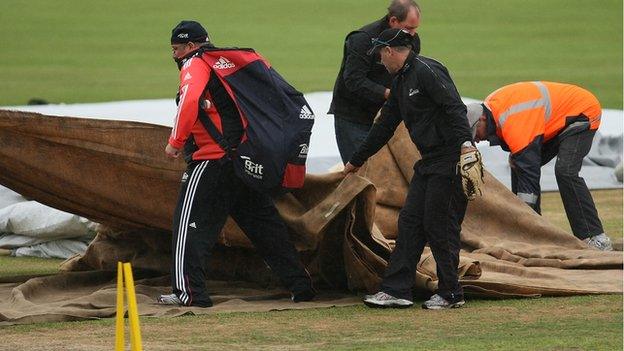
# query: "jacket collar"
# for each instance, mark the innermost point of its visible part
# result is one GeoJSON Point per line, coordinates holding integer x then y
{"type": "Point", "coordinates": [384, 23]}
{"type": "Point", "coordinates": [409, 62]}
{"type": "Point", "coordinates": [181, 61]}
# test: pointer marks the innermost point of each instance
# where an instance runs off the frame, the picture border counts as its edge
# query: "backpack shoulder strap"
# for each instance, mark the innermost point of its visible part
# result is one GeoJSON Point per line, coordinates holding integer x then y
{"type": "Point", "coordinates": [214, 132]}
{"type": "Point", "coordinates": [203, 116]}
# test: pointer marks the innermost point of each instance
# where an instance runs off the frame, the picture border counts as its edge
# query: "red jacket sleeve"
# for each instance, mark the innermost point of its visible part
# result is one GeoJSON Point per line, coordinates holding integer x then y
{"type": "Point", "coordinates": [193, 79]}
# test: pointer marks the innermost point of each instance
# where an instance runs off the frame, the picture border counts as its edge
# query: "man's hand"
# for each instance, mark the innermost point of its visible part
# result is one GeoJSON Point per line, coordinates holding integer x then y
{"type": "Point", "coordinates": [349, 168]}
{"type": "Point", "coordinates": [386, 93]}
{"type": "Point", "coordinates": [471, 171]}
{"type": "Point", "coordinates": [465, 149]}
{"type": "Point", "coordinates": [172, 151]}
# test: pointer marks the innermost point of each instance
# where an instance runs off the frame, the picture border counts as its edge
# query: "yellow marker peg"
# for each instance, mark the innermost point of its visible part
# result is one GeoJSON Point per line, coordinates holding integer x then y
{"type": "Point", "coordinates": [133, 312]}
{"type": "Point", "coordinates": [119, 318]}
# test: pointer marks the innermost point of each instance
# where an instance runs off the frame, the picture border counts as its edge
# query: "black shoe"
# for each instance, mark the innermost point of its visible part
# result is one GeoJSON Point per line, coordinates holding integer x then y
{"type": "Point", "coordinates": [174, 300]}
{"type": "Point", "coordinates": [202, 304]}
{"type": "Point", "coordinates": [304, 295]}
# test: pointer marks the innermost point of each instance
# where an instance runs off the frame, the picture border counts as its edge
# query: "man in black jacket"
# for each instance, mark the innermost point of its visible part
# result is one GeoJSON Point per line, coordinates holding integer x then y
{"type": "Point", "coordinates": [425, 98]}
{"type": "Point", "coordinates": [362, 84]}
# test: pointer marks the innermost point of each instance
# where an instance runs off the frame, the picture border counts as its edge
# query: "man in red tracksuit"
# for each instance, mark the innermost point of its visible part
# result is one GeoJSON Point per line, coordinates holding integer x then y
{"type": "Point", "coordinates": [210, 190]}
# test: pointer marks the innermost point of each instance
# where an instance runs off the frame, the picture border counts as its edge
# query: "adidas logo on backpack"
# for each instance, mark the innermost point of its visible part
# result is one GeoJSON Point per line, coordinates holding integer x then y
{"type": "Point", "coordinates": [223, 63]}
{"type": "Point", "coordinates": [306, 113]}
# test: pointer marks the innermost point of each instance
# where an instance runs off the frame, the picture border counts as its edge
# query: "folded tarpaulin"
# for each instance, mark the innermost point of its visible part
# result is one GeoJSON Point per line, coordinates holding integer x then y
{"type": "Point", "coordinates": [41, 223]}
{"type": "Point", "coordinates": [29, 228]}
{"type": "Point", "coordinates": [116, 173]}
{"type": "Point", "coordinates": [62, 248]}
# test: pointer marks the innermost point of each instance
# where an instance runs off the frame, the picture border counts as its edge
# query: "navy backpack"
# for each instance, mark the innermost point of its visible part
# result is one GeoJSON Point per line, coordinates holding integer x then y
{"type": "Point", "coordinates": [272, 154]}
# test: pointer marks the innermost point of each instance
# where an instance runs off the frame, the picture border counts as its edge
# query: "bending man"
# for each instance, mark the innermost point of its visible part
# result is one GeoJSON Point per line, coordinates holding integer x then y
{"type": "Point", "coordinates": [536, 121]}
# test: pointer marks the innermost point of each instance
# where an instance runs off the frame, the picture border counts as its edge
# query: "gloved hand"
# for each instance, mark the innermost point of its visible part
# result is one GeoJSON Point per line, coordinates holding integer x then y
{"type": "Point", "coordinates": [471, 170]}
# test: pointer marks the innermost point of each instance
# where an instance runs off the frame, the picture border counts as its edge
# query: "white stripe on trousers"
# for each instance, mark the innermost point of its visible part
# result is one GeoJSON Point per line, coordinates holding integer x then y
{"type": "Point", "coordinates": [185, 215]}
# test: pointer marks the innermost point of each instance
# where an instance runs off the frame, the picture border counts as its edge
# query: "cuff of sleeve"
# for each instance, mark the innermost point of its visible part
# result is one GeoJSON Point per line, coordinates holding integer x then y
{"type": "Point", "coordinates": [381, 91]}
{"type": "Point", "coordinates": [175, 143]}
{"type": "Point", "coordinates": [467, 144]}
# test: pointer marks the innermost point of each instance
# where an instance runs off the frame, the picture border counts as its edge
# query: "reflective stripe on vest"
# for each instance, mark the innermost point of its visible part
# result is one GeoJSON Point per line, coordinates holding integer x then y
{"type": "Point", "coordinates": [528, 198]}
{"type": "Point", "coordinates": [544, 101]}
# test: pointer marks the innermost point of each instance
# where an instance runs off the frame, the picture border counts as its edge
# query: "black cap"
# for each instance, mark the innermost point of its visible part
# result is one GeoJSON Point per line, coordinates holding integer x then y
{"type": "Point", "coordinates": [188, 31]}
{"type": "Point", "coordinates": [391, 37]}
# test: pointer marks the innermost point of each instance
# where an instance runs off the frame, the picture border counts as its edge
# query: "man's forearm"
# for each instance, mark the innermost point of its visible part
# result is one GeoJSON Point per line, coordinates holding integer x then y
{"type": "Point", "coordinates": [365, 88]}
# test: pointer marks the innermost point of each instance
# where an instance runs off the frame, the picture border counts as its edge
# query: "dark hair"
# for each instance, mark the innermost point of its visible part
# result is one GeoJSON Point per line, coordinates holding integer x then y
{"type": "Point", "coordinates": [400, 8]}
{"type": "Point", "coordinates": [403, 48]}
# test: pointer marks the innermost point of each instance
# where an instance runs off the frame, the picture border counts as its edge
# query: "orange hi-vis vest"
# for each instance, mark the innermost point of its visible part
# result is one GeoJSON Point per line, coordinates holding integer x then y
{"type": "Point", "coordinates": [526, 110]}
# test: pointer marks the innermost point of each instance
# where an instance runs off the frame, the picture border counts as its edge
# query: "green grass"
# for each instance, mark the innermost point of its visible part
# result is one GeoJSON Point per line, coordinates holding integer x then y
{"type": "Point", "coordinates": [85, 51]}
{"type": "Point", "coordinates": [574, 323]}
{"type": "Point", "coordinates": [608, 203]}
{"type": "Point", "coordinates": [17, 266]}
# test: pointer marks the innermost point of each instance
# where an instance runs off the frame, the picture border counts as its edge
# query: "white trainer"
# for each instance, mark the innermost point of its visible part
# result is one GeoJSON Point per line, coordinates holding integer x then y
{"type": "Point", "coordinates": [381, 299]}
{"type": "Point", "coordinates": [169, 299]}
{"type": "Point", "coordinates": [601, 242]}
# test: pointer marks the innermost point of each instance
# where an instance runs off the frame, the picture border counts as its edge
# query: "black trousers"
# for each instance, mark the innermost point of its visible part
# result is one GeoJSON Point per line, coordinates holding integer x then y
{"type": "Point", "coordinates": [433, 212]}
{"type": "Point", "coordinates": [210, 192]}
{"type": "Point", "coordinates": [349, 136]}
{"type": "Point", "coordinates": [577, 200]}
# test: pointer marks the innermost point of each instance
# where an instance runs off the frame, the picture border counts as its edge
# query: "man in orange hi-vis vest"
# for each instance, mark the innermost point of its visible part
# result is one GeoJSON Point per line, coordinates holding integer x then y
{"type": "Point", "coordinates": [536, 121]}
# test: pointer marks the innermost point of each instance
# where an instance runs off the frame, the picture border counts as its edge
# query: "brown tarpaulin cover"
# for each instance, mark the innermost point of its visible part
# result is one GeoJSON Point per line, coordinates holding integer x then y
{"type": "Point", "coordinates": [115, 173]}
